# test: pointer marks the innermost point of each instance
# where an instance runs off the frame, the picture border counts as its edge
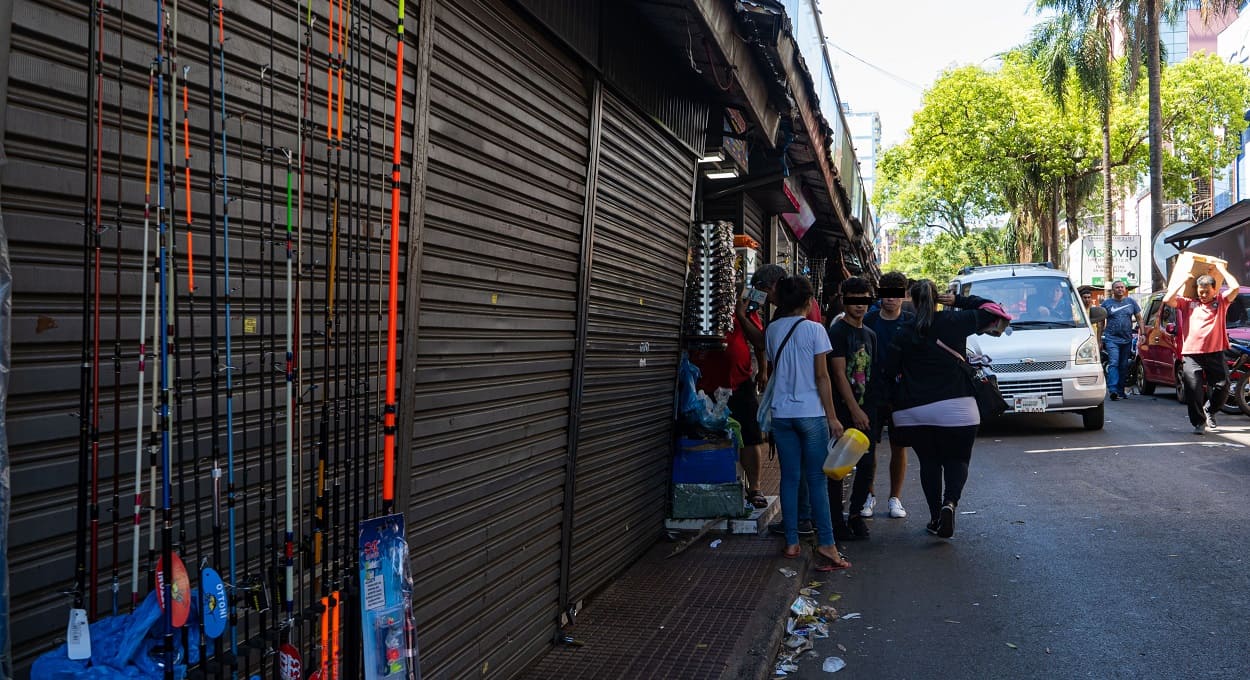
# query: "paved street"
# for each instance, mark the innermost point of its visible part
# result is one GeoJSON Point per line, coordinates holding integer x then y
{"type": "Point", "coordinates": [1112, 554]}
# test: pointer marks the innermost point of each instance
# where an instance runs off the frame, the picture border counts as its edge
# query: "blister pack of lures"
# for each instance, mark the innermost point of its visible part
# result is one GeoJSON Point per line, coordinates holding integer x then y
{"type": "Point", "coordinates": [390, 641]}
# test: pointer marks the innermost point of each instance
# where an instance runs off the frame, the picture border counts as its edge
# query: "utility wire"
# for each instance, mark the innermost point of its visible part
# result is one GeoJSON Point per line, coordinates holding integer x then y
{"type": "Point", "coordinates": [873, 66]}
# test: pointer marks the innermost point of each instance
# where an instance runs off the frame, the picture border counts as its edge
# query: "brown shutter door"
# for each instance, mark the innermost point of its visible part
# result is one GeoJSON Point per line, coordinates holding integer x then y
{"type": "Point", "coordinates": [645, 189]}
{"type": "Point", "coordinates": [509, 123]}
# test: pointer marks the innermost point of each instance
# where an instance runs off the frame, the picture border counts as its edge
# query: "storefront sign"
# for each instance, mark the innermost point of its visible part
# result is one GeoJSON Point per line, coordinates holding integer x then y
{"type": "Point", "coordinates": [1125, 260]}
{"type": "Point", "coordinates": [803, 218]}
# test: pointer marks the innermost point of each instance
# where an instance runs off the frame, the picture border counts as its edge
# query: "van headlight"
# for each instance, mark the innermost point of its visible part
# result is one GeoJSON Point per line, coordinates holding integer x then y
{"type": "Point", "coordinates": [1087, 353]}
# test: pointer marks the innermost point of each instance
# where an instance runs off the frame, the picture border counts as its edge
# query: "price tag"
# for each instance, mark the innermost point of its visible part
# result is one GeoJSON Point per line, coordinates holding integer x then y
{"type": "Point", "coordinates": [78, 635]}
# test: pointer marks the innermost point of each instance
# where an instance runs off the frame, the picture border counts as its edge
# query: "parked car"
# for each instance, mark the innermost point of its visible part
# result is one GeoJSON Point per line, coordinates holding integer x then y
{"type": "Point", "coordinates": [1157, 356]}
{"type": "Point", "coordinates": [1050, 362]}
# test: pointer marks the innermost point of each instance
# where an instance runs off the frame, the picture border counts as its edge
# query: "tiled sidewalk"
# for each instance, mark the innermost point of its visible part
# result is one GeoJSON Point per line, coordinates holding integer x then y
{"type": "Point", "coordinates": [703, 613]}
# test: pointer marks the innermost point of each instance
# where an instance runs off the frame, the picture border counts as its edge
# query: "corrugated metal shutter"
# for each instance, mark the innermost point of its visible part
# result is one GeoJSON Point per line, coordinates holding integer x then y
{"type": "Point", "coordinates": [754, 222]}
{"type": "Point", "coordinates": [43, 196]}
{"type": "Point", "coordinates": [508, 150]}
{"type": "Point", "coordinates": [643, 205]}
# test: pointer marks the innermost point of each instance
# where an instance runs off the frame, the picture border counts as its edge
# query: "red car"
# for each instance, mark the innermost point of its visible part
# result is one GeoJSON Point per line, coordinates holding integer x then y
{"type": "Point", "coordinates": [1158, 362]}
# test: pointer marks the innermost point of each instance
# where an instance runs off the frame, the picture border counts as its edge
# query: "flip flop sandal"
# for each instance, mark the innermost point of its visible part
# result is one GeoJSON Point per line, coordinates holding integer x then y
{"type": "Point", "coordinates": [824, 564]}
{"type": "Point", "coordinates": [757, 499]}
{"type": "Point", "coordinates": [792, 552]}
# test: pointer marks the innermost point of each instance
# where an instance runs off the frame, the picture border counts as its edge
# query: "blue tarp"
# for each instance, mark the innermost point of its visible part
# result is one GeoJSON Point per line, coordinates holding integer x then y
{"type": "Point", "coordinates": [125, 646]}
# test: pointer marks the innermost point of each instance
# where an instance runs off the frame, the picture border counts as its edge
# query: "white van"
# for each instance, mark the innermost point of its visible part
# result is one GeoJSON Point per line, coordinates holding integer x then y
{"type": "Point", "coordinates": [1050, 362]}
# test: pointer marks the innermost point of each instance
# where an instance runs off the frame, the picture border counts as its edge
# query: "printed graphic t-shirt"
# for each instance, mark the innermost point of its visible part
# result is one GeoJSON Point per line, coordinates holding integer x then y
{"type": "Point", "coordinates": [795, 394]}
{"type": "Point", "coordinates": [1120, 314]}
{"type": "Point", "coordinates": [859, 347]}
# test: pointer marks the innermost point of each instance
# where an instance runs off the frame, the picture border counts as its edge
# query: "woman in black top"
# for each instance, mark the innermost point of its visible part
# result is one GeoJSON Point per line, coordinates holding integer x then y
{"type": "Point", "coordinates": [934, 411]}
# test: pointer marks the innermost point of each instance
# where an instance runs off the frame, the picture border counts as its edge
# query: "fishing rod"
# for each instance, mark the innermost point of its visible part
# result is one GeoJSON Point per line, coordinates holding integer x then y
{"type": "Point", "coordinates": [163, 229]}
{"type": "Point", "coordinates": [143, 349]}
{"type": "Point", "coordinates": [228, 367]}
{"type": "Point", "coordinates": [117, 310]}
{"type": "Point", "coordinates": [392, 312]}
{"type": "Point", "coordinates": [97, 256]}
{"type": "Point", "coordinates": [289, 562]}
{"type": "Point", "coordinates": [80, 611]}
{"type": "Point", "coordinates": [249, 323]}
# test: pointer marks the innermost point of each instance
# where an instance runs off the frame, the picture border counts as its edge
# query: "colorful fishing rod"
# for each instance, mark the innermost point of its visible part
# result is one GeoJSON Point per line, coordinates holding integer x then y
{"type": "Point", "coordinates": [117, 313]}
{"type": "Point", "coordinates": [166, 584]}
{"type": "Point", "coordinates": [143, 349]}
{"type": "Point", "coordinates": [228, 367]}
{"type": "Point", "coordinates": [392, 311]}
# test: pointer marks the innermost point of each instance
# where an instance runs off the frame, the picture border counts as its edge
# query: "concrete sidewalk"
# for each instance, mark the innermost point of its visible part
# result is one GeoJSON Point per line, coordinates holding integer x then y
{"type": "Point", "coordinates": [701, 613]}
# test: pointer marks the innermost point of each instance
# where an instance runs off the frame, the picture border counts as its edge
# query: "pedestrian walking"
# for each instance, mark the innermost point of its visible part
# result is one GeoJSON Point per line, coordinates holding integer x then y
{"type": "Point", "coordinates": [853, 349]}
{"type": "Point", "coordinates": [1204, 338]}
{"type": "Point", "coordinates": [765, 279]}
{"type": "Point", "coordinates": [893, 311]}
{"type": "Point", "coordinates": [803, 418]}
{"type": "Point", "coordinates": [1122, 313]}
{"type": "Point", "coordinates": [934, 410]}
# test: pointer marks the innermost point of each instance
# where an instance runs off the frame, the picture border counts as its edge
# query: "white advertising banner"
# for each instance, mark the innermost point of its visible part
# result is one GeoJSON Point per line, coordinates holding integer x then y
{"type": "Point", "coordinates": [1125, 260]}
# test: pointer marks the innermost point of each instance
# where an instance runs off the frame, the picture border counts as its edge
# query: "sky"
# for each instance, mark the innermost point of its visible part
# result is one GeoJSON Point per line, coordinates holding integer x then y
{"type": "Point", "coordinates": [913, 41]}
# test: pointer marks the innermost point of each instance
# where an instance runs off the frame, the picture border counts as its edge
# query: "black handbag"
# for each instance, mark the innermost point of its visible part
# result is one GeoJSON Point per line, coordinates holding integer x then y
{"type": "Point", "coordinates": [984, 383]}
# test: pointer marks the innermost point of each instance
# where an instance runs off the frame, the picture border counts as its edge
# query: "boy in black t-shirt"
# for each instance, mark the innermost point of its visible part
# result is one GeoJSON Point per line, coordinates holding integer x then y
{"type": "Point", "coordinates": [850, 367]}
{"type": "Point", "coordinates": [893, 311]}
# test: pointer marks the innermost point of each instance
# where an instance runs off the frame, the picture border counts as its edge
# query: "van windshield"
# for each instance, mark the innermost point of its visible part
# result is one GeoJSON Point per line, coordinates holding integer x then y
{"type": "Point", "coordinates": [1035, 302]}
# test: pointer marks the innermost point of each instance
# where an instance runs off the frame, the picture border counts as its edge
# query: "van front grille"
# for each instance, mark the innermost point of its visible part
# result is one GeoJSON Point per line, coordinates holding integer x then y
{"type": "Point", "coordinates": [1023, 367]}
{"type": "Point", "coordinates": [1012, 388]}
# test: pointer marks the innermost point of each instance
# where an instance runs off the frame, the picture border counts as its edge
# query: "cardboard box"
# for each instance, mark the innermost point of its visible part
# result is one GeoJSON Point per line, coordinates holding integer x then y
{"type": "Point", "coordinates": [708, 501]}
{"type": "Point", "coordinates": [1191, 263]}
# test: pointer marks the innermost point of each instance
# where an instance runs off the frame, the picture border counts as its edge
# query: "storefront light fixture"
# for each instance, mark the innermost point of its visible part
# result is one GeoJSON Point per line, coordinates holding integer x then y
{"type": "Point", "coordinates": [721, 174]}
{"type": "Point", "coordinates": [717, 157]}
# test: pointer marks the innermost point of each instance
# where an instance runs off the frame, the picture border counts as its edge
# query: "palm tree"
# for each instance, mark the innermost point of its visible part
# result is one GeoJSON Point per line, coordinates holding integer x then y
{"type": "Point", "coordinates": [1079, 40]}
{"type": "Point", "coordinates": [1149, 14]}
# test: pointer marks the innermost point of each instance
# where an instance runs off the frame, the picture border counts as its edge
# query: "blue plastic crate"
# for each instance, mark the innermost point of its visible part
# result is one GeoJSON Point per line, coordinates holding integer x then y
{"type": "Point", "coordinates": [705, 462]}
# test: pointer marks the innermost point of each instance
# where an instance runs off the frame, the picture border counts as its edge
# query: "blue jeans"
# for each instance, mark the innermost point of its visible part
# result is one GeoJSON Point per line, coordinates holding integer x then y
{"type": "Point", "coordinates": [802, 445]}
{"type": "Point", "coordinates": [1119, 354]}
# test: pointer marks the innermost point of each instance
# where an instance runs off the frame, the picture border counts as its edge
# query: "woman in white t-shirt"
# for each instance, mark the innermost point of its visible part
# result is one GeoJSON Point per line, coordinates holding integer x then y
{"type": "Point", "coordinates": [803, 418]}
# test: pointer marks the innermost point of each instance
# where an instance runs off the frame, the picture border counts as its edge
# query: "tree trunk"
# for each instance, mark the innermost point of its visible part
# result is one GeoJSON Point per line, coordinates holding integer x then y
{"type": "Point", "coordinates": [1109, 222]}
{"type": "Point", "coordinates": [1024, 236]}
{"type": "Point", "coordinates": [1072, 208]}
{"type": "Point", "coordinates": [1154, 75]}
{"type": "Point", "coordinates": [1053, 227]}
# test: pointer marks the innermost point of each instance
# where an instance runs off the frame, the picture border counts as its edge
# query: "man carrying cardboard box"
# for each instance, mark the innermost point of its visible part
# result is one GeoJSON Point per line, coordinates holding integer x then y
{"type": "Point", "coordinates": [1201, 327]}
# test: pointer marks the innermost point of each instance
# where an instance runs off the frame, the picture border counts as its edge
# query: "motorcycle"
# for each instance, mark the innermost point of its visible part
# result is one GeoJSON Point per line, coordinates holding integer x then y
{"type": "Point", "coordinates": [1238, 378]}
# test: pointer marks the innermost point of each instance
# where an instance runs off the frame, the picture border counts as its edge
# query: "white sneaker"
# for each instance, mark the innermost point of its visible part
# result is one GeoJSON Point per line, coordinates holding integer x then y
{"type": "Point", "coordinates": [869, 504]}
{"type": "Point", "coordinates": [896, 508]}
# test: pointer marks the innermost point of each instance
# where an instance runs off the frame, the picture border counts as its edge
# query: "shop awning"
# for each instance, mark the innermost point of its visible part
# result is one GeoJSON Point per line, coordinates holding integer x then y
{"type": "Point", "coordinates": [1232, 217]}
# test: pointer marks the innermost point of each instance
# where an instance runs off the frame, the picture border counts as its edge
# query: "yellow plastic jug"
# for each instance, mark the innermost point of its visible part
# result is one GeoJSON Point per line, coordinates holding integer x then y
{"type": "Point", "coordinates": [845, 452]}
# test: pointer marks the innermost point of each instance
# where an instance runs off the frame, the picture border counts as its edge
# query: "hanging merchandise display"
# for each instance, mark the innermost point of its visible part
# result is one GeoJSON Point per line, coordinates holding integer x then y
{"type": "Point", "coordinates": [270, 417]}
{"type": "Point", "coordinates": [386, 604]}
{"type": "Point", "coordinates": [710, 286]}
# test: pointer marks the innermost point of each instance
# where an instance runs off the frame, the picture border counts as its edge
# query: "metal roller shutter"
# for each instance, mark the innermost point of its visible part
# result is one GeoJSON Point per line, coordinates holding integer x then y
{"type": "Point", "coordinates": [509, 126]}
{"type": "Point", "coordinates": [642, 218]}
{"type": "Point", "coordinates": [754, 222]}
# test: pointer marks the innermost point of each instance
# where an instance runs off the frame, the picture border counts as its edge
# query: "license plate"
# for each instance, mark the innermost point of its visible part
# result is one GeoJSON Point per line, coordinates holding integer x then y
{"type": "Point", "coordinates": [1030, 403]}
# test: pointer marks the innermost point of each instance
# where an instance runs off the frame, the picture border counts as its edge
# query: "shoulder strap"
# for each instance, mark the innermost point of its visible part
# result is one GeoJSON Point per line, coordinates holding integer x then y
{"type": "Point", "coordinates": [784, 340]}
{"type": "Point", "coordinates": [952, 352]}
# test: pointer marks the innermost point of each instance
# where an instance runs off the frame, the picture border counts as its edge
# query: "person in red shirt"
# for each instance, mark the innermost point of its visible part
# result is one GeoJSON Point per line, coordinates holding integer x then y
{"type": "Point", "coordinates": [1203, 341]}
{"type": "Point", "coordinates": [731, 368]}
